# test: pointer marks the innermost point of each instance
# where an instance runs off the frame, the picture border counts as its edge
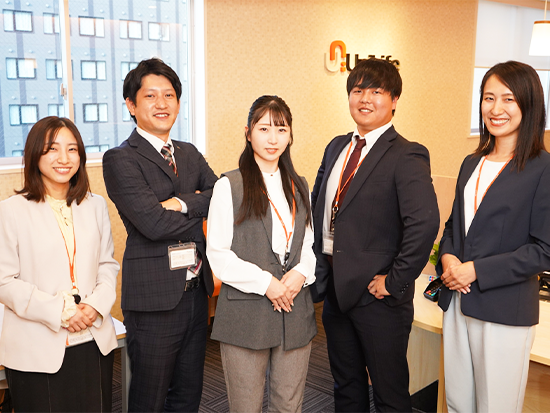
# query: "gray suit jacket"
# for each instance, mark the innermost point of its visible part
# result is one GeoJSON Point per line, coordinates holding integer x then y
{"type": "Point", "coordinates": [248, 320]}
{"type": "Point", "coordinates": [137, 180]}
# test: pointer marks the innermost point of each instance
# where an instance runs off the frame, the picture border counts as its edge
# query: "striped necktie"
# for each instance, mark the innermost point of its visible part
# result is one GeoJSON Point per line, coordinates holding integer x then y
{"type": "Point", "coordinates": [167, 154]}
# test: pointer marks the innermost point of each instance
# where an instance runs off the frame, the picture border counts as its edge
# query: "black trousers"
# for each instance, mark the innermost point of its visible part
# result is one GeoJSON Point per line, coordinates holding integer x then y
{"type": "Point", "coordinates": [374, 336]}
{"type": "Point", "coordinates": [166, 351]}
{"type": "Point", "coordinates": [84, 383]}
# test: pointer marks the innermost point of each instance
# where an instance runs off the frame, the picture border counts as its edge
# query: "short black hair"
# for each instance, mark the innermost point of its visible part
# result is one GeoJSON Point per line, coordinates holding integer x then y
{"type": "Point", "coordinates": [375, 73]}
{"type": "Point", "coordinates": [154, 66]}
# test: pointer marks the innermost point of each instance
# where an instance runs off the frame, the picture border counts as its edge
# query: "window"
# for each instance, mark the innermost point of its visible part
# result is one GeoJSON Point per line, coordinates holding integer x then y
{"type": "Point", "coordinates": [96, 148]}
{"type": "Point", "coordinates": [91, 26]}
{"type": "Point", "coordinates": [103, 60]}
{"type": "Point", "coordinates": [95, 112]}
{"type": "Point", "coordinates": [54, 69]}
{"type": "Point", "coordinates": [125, 67]}
{"type": "Point", "coordinates": [51, 23]}
{"type": "Point", "coordinates": [19, 21]}
{"type": "Point", "coordinates": [20, 68]}
{"type": "Point", "coordinates": [130, 29]}
{"type": "Point", "coordinates": [514, 40]}
{"type": "Point", "coordinates": [23, 114]}
{"type": "Point", "coordinates": [126, 117]}
{"type": "Point", "coordinates": [56, 110]}
{"type": "Point", "coordinates": [159, 31]}
{"type": "Point", "coordinates": [90, 70]}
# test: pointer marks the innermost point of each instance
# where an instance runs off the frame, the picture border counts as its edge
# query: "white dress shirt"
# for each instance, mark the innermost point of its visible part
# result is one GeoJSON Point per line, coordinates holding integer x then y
{"type": "Point", "coordinates": [333, 179]}
{"type": "Point", "coordinates": [226, 265]}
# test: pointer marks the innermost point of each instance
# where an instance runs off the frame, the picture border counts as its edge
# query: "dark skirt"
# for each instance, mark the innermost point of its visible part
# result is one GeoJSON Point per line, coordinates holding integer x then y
{"type": "Point", "coordinates": [82, 384]}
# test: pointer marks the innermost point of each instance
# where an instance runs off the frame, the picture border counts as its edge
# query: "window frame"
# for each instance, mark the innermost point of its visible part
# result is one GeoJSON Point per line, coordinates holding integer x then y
{"type": "Point", "coordinates": [95, 20]}
{"type": "Point", "coordinates": [17, 75]}
{"type": "Point", "coordinates": [14, 21]}
{"type": "Point", "coordinates": [128, 29]}
{"type": "Point", "coordinates": [96, 70]}
{"type": "Point", "coordinates": [53, 16]}
{"type": "Point", "coordinates": [21, 123]}
{"type": "Point", "coordinates": [98, 112]}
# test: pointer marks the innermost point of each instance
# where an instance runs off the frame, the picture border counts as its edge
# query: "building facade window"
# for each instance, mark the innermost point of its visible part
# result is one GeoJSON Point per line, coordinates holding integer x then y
{"type": "Point", "coordinates": [95, 112]}
{"type": "Point", "coordinates": [126, 117]}
{"type": "Point", "coordinates": [54, 69]}
{"type": "Point", "coordinates": [51, 23]}
{"type": "Point", "coordinates": [93, 70]}
{"type": "Point", "coordinates": [56, 110]}
{"type": "Point", "coordinates": [17, 21]}
{"type": "Point", "coordinates": [125, 67]}
{"type": "Point", "coordinates": [20, 68]}
{"type": "Point", "coordinates": [130, 29]}
{"type": "Point", "coordinates": [159, 31]}
{"type": "Point", "coordinates": [91, 26]}
{"type": "Point", "coordinates": [23, 114]}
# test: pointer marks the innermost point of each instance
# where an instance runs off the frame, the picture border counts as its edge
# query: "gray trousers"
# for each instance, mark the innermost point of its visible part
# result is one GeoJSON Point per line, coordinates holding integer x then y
{"type": "Point", "coordinates": [245, 374]}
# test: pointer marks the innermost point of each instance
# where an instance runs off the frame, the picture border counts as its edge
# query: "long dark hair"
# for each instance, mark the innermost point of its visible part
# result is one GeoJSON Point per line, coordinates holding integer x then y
{"type": "Point", "coordinates": [525, 84]}
{"type": "Point", "coordinates": [255, 202]}
{"type": "Point", "coordinates": [39, 141]}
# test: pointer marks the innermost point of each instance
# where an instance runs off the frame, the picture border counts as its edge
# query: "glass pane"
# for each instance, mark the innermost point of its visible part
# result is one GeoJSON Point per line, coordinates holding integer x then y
{"type": "Point", "coordinates": [23, 21]}
{"type": "Point", "coordinates": [11, 68]}
{"type": "Point", "coordinates": [8, 21]}
{"type": "Point", "coordinates": [29, 114]}
{"type": "Point", "coordinates": [26, 68]}
{"type": "Point", "coordinates": [48, 23]}
{"type": "Point", "coordinates": [50, 69]}
{"type": "Point", "coordinates": [134, 29]}
{"type": "Point", "coordinates": [88, 70]}
{"type": "Point", "coordinates": [103, 112]}
{"type": "Point", "coordinates": [56, 23]}
{"type": "Point", "coordinates": [52, 110]}
{"type": "Point", "coordinates": [479, 72]}
{"type": "Point", "coordinates": [87, 27]}
{"type": "Point", "coordinates": [123, 29]}
{"type": "Point", "coordinates": [61, 111]}
{"type": "Point", "coordinates": [14, 115]}
{"type": "Point", "coordinates": [101, 71]}
{"type": "Point", "coordinates": [154, 31]}
{"type": "Point", "coordinates": [125, 113]}
{"type": "Point", "coordinates": [165, 32]}
{"type": "Point", "coordinates": [99, 28]}
{"type": "Point", "coordinates": [59, 65]}
{"type": "Point", "coordinates": [90, 113]}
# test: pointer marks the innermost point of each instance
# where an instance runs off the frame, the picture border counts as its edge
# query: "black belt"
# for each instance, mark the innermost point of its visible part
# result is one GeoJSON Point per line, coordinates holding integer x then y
{"type": "Point", "coordinates": [193, 283]}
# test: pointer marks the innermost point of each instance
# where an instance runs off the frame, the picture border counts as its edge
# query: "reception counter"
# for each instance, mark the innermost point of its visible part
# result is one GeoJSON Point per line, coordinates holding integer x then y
{"type": "Point", "coordinates": [426, 353]}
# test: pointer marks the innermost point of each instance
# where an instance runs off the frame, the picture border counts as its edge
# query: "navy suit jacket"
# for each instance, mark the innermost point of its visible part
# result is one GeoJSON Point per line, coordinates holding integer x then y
{"type": "Point", "coordinates": [137, 179]}
{"type": "Point", "coordinates": [386, 224]}
{"type": "Point", "coordinates": [508, 241]}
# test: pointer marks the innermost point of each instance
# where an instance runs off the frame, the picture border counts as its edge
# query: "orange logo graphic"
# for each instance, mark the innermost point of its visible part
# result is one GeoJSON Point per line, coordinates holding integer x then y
{"type": "Point", "coordinates": [337, 60]}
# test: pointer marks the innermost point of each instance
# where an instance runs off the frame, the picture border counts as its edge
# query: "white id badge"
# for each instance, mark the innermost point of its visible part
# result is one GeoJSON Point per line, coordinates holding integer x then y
{"type": "Point", "coordinates": [182, 255]}
{"type": "Point", "coordinates": [328, 241]}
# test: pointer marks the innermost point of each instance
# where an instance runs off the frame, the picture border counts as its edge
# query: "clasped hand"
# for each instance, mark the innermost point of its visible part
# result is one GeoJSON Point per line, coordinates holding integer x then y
{"type": "Point", "coordinates": [282, 293]}
{"type": "Point", "coordinates": [84, 318]}
{"type": "Point", "coordinates": [457, 276]}
{"type": "Point", "coordinates": [377, 286]}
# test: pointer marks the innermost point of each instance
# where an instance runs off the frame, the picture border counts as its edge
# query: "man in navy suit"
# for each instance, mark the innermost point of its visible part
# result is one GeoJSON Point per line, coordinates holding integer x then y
{"type": "Point", "coordinates": [162, 191]}
{"type": "Point", "coordinates": [375, 216]}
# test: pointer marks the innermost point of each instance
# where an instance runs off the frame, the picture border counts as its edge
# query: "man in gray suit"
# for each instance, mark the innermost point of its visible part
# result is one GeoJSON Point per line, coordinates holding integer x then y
{"type": "Point", "coordinates": [162, 191]}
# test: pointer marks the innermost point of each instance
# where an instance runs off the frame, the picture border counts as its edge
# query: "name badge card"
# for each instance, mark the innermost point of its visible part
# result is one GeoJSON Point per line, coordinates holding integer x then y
{"type": "Point", "coordinates": [328, 241]}
{"type": "Point", "coordinates": [182, 255]}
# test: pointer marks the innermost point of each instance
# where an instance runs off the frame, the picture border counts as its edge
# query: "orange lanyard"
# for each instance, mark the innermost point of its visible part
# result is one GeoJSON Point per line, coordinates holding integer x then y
{"type": "Point", "coordinates": [287, 234]}
{"type": "Point", "coordinates": [340, 186]}
{"type": "Point", "coordinates": [494, 179]}
{"type": "Point", "coordinates": [74, 290]}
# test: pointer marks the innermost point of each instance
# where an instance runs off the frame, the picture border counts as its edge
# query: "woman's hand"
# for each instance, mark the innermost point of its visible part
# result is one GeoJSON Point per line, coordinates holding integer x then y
{"type": "Point", "coordinates": [279, 295]}
{"type": "Point", "coordinates": [459, 277]}
{"type": "Point", "coordinates": [80, 321]}
{"type": "Point", "coordinates": [294, 281]}
{"type": "Point", "coordinates": [89, 311]}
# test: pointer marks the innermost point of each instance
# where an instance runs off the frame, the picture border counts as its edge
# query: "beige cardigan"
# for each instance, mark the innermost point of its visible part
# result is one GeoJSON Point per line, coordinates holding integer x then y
{"type": "Point", "coordinates": [34, 269]}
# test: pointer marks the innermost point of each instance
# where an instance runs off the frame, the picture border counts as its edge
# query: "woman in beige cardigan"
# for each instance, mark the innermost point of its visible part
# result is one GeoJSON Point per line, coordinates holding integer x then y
{"type": "Point", "coordinates": [57, 279]}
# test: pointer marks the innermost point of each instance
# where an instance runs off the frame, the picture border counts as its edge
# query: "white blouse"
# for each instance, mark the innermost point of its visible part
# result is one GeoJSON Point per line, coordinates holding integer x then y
{"type": "Point", "coordinates": [488, 174]}
{"type": "Point", "coordinates": [226, 265]}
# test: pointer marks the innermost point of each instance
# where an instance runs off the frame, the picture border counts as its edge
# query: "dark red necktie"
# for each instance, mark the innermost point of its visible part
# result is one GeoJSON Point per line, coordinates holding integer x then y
{"type": "Point", "coordinates": [350, 168]}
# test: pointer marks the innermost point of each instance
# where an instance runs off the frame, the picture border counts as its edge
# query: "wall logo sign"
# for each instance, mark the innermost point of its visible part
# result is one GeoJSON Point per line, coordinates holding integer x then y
{"type": "Point", "coordinates": [338, 60]}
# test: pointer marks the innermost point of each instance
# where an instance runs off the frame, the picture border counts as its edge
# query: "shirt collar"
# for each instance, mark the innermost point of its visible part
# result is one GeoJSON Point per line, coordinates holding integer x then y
{"type": "Point", "coordinates": [155, 141]}
{"type": "Point", "coordinates": [372, 136]}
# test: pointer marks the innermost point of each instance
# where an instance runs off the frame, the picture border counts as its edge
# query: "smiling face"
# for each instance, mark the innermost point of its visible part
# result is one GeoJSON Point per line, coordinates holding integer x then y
{"type": "Point", "coordinates": [156, 107]}
{"type": "Point", "coordinates": [371, 108]}
{"type": "Point", "coordinates": [268, 142]}
{"type": "Point", "coordinates": [500, 111]}
{"type": "Point", "coordinates": [59, 164]}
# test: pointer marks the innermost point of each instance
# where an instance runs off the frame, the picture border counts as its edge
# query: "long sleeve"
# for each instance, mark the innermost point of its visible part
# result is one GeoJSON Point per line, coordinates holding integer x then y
{"type": "Point", "coordinates": [229, 268]}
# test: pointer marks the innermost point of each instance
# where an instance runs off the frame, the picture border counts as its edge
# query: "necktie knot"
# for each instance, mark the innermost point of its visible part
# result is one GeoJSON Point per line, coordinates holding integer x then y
{"type": "Point", "coordinates": [360, 143]}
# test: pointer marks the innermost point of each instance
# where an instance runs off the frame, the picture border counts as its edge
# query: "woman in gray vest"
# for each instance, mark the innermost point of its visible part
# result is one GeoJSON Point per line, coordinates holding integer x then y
{"type": "Point", "coordinates": [260, 246]}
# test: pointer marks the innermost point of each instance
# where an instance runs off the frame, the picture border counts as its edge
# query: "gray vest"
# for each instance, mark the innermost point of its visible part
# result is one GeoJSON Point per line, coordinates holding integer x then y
{"type": "Point", "coordinates": [248, 320]}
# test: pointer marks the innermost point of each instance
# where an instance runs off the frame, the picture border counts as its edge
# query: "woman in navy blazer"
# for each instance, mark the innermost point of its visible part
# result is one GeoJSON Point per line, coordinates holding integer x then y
{"type": "Point", "coordinates": [495, 242]}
